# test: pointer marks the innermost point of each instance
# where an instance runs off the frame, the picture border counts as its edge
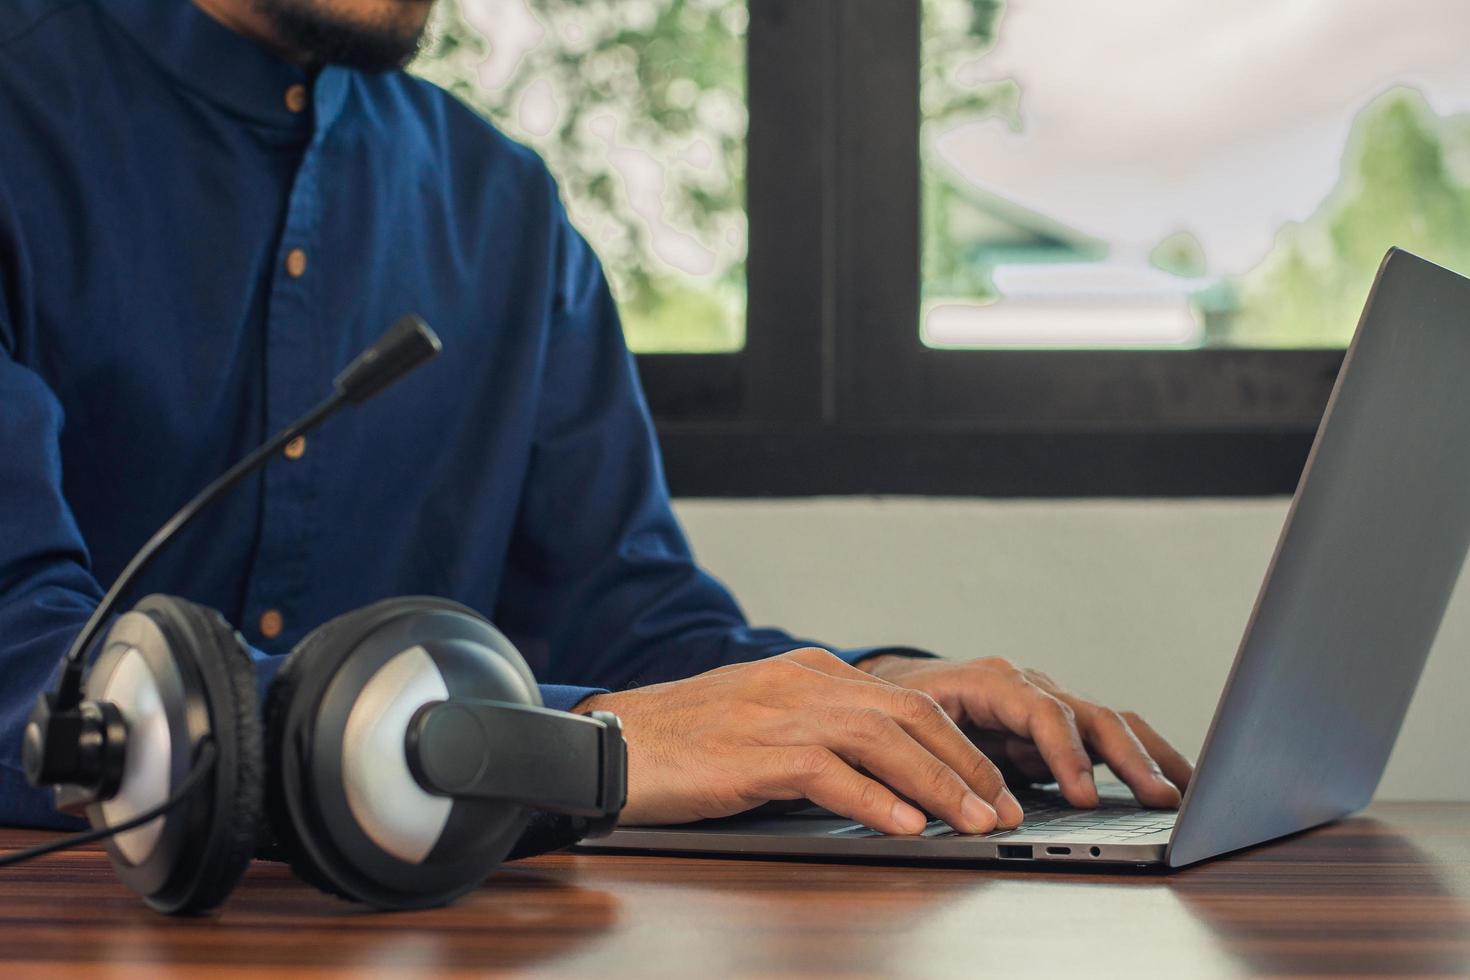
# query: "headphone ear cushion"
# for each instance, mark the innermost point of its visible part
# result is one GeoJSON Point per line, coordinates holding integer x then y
{"type": "Point", "coordinates": [219, 850]}
{"type": "Point", "coordinates": [242, 813]}
{"type": "Point", "coordinates": [284, 843]}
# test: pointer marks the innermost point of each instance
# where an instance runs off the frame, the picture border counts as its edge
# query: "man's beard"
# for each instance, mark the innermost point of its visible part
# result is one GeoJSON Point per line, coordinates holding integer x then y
{"type": "Point", "coordinates": [326, 37]}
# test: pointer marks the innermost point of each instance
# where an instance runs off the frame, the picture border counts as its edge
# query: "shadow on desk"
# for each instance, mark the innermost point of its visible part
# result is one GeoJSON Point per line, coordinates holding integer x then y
{"type": "Point", "coordinates": [1356, 898]}
{"type": "Point", "coordinates": [70, 910]}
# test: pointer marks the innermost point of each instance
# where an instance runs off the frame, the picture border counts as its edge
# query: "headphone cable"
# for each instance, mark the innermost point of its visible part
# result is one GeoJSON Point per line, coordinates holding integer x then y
{"type": "Point", "coordinates": [203, 763]}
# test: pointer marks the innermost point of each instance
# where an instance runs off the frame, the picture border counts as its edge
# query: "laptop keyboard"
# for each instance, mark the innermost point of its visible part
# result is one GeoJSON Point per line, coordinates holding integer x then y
{"type": "Point", "coordinates": [1056, 821]}
{"type": "Point", "coordinates": [1112, 823]}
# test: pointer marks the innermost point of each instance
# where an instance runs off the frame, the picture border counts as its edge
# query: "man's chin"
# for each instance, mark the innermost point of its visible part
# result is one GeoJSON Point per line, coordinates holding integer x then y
{"type": "Point", "coordinates": [369, 35]}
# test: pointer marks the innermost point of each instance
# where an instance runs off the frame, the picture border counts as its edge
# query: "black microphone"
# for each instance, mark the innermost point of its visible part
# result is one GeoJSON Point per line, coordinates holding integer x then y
{"type": "Point", "coordinates": [406, 345]}
{"type": "Point", "coordinates": [64, 743]}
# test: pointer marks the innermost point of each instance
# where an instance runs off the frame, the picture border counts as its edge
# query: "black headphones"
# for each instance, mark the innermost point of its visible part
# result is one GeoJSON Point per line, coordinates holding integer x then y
{"type": "Point", "coordinates": [403, 750]}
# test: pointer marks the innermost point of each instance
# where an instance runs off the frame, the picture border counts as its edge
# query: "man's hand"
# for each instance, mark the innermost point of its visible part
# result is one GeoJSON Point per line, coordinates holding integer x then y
{"type": "Point", "coordinates": [1037, 732]}
{"type": "Point", "coordinates": [803, 724]}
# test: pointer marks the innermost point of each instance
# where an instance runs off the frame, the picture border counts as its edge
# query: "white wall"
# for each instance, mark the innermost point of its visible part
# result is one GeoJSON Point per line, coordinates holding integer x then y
{"type": "Point", "coordinates": [1138, 603]}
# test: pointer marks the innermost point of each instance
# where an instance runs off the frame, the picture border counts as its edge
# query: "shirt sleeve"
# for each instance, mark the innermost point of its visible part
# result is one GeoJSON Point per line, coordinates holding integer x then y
{"type": "Point", "coordinates": [46, 590]}
{"type": "Point", "coordinates": [600, 580]}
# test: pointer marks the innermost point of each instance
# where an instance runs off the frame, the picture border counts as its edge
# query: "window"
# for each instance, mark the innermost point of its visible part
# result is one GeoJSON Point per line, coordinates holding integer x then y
{"type": "Point", "coordinates": [986, 247]}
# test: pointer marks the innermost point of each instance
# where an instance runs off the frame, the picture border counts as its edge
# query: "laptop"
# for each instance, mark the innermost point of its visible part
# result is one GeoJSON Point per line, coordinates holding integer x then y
{"type": "Point", "coordinates": [1351, 603]}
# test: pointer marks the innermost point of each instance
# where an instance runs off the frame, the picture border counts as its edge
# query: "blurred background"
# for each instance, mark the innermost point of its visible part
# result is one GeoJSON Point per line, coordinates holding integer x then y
{"type": "Point", "coordinates": [1142, 172]}
{"type": "Point", "coordinates": [1136, 175]}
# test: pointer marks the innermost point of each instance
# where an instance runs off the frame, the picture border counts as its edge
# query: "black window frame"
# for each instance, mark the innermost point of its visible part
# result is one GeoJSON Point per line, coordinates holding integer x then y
{"type": "Point", "coordinates": [834, 391]}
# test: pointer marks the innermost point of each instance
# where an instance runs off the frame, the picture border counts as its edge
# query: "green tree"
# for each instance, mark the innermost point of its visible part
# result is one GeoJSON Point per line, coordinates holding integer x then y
{"type": "Point", "coordinates": [660, 76]}
{"type": "Point", "coordinates": [956, 34]}
{"type": "Point", "coordinates": [1396, 188]}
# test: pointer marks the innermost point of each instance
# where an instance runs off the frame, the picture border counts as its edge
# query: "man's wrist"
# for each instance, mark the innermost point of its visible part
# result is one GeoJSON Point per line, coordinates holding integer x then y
{"type": "Point", "coordinates": [588, 704]}
{"type": "Point", "coordinates": [566, 697]}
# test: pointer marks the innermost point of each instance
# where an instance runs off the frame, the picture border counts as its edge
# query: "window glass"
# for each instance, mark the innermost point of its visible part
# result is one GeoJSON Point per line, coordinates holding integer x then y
{"type": "Point", "coordinates": [638, 107]}
{"type": "Point", "coordinates": [1185, 173]}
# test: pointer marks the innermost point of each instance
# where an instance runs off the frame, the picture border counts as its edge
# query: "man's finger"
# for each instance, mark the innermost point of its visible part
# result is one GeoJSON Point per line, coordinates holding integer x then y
{"type": "Point", "coordinates": [922, 717]}
{"type": "Point", "coordinates": [867, 737]}
{"type": "Point", "coordinates": [819, 775]}
{"type": "Point", "coordinates": [1178, 768]}
{"type": "Point", "coordinates": [929, 724]}
{"type": "Point", "coordinates": [1030, 712]}
{"type": "Point", "coordinates": [932, 762]}
{"type": "Point", "coordinates": [1106, 731]}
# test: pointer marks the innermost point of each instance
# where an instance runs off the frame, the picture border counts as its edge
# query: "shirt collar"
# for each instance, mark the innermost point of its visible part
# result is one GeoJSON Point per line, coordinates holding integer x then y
{"type": "Point", "coordinates": [227, 68]}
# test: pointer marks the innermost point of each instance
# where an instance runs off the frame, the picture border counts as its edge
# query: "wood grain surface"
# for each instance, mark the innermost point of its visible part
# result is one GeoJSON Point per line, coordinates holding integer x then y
{"type": "Point", "coordinates": [1384, 893]}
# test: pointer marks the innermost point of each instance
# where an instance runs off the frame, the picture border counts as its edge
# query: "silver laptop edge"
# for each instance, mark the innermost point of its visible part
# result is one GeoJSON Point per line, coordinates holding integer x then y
{"type": "Point", "coordinates": [1352, 599]}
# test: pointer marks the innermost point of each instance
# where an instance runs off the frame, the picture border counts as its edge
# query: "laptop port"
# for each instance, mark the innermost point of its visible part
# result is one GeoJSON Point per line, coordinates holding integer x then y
{"type": "Point", "coordinates": [1059, 850]}
{"type": "Point", "coordinates": [1014, 852]}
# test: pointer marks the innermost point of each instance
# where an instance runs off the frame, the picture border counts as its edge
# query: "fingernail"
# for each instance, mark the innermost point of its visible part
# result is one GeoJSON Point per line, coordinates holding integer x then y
{"type": "Point", "coordinates": [909, 820]}
{"type": "Point", "coordinates": [979, 816]}
{"type": "Point", "coordinates": [1008, 808]}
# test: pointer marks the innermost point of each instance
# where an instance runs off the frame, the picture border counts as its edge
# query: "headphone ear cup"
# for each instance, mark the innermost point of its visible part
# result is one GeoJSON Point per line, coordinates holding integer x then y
{"type": "Point", "coordinates": [205, 844]}
{"type": "Point", "coordinates": [343, 804]}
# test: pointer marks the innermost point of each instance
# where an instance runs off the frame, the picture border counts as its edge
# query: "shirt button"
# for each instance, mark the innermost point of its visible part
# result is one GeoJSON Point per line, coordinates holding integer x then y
{"type": "Point", "coordinates": [296, 448]}
{"type": "Point", "coordinates": [296, 263]}
{"type": "Point", "coordinates": [296, 98]}
{"type": "Point", "coordinates": [271, 624]}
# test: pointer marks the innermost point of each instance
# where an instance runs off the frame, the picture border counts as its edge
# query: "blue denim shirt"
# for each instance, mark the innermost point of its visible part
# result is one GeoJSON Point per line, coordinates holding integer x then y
{"type": "Point", "coordinates": [189, 254]}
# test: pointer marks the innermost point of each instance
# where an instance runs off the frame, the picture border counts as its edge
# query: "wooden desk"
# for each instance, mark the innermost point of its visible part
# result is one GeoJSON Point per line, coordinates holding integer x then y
{"type": "Point", "coordinates": [1356, 898]}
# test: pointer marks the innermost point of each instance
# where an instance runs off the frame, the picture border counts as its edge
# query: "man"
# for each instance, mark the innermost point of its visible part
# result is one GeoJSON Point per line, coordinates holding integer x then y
{"type": "Point", "coordinates": [205, 209]}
